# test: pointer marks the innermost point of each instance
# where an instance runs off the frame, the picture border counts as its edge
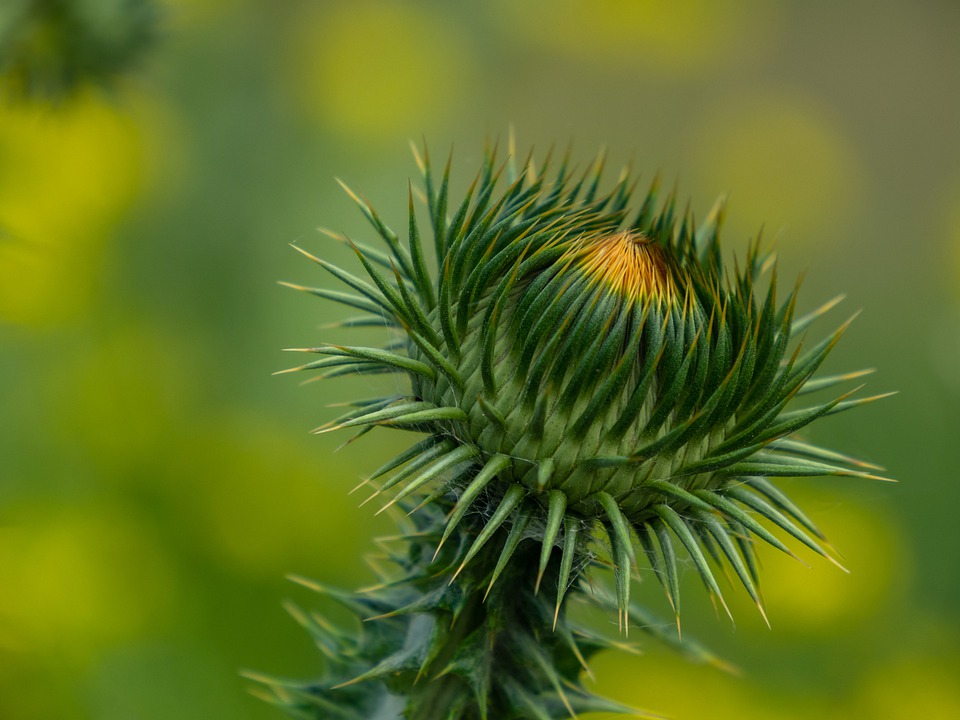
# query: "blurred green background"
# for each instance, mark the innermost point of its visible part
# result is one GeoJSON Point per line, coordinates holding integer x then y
{"type": "Point", "coordinates": [157, 484]}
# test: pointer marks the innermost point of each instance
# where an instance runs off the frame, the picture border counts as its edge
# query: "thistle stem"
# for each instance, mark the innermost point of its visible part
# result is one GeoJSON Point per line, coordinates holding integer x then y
{"type": "Point", "coordinates": [430, 649]}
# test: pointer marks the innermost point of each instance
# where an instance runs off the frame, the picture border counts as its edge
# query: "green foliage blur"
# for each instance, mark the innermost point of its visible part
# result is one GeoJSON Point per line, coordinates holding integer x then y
{"type": "Point", "coordinates": [48, 48]}
{"type": "Point", "coordinates": [157, 484]}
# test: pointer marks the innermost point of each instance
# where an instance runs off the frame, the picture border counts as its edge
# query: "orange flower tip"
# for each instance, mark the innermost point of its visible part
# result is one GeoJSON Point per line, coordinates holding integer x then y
{"type": "Point", "coordinates": [631, 264]}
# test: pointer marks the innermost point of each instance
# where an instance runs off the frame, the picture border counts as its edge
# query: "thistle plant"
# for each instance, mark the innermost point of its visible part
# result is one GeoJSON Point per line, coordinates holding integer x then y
{"type": "Point", "coordinates": [592, 391]}
{"type": "Point", "coordinates": [51, 49]}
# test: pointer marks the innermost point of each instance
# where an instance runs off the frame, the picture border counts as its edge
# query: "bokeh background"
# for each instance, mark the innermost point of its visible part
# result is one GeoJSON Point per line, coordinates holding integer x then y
{"type": "Point", "coordinates": [157, 484]}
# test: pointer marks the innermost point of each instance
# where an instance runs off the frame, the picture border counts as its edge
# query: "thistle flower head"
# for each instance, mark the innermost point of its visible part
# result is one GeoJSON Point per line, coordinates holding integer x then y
{"type": "Point", "coordinates": [632, 265]}
{"type": "Point", "coordinates": [592, 370]}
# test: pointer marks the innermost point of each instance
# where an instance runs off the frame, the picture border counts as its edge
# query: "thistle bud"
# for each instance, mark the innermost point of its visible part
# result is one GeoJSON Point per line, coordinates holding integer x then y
{"type": "Point", "coordinates": [582, 372]}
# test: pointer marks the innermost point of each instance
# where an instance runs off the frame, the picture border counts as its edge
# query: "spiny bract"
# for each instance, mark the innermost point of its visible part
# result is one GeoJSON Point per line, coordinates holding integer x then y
{"type": "Point", "coordinates": [583, 371]}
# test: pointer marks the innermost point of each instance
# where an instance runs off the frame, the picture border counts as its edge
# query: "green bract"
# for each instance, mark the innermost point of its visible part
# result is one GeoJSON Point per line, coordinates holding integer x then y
{"type": "Point", "coordinates": [581, 371]}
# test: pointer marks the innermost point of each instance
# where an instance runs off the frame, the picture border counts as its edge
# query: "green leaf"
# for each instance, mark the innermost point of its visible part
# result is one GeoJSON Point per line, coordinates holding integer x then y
{"type": "Point", "coordinates": [512, 498]}
{"type": "Point", "coordinates": [494, 466]}
{"type": "Point", "coordinates": [556, 508]}
{"type": "Point", "coordinates": [509, 547]}
{"type": "Point", "coordinates": [680, 529]}
{"type": "Point", "coordinates": [381, 356]}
